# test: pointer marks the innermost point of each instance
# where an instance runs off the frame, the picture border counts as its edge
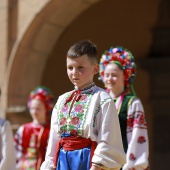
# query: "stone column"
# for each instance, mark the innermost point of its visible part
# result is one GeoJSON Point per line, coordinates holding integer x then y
{"type": "Point", "coordinates": [12, 23]}
{"type": "Point", "coordinates": [3, 46]}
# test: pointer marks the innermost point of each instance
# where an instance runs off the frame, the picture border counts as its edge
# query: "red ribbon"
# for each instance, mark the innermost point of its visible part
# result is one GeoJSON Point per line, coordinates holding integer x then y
{"type": "Point", "coordinates": [75, 93]}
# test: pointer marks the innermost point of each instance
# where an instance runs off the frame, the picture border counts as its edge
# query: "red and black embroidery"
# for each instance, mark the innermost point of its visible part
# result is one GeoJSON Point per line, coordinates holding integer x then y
{"type": "Point", "coordinates": [141, 139]}
{"type": "Point", "coordinates": [139, 120]}
{"type": "Point", "coordinates": [132, 157]}
{"type": "Point", "coordinates": [136, 120]}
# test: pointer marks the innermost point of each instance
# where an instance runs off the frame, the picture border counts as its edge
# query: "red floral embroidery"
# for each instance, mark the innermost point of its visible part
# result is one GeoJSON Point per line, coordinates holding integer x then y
{"type": "Point", "coordinates": [141, 139]}
{"type": "Point", "coordinates": [63, 121]}
{"type": "Point", "coordinates": [83, 97]}
{"type": "Point", "coordinates": [130, 122]}
{"type": "Point", "coordinates": [139, 119]}
{"type": "Point", "coordinates": [75, 121]}
{"type": "Point", "coordinates": [78, 108]}
{"type": "Point", "coordinates": [132, 157]}
{"type": "Point", "coordinates": [73, 132]}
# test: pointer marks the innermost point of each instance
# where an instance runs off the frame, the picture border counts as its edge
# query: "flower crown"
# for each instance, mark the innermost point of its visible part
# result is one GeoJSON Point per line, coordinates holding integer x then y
{"type": "Point", "coordinates": [44, 94]}
{"type": "Point", "coordinates": [123, 58]}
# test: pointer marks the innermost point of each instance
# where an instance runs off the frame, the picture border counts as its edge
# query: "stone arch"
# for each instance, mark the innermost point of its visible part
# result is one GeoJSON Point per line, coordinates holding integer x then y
{"type": "Point", "coordinates": [31, 51]}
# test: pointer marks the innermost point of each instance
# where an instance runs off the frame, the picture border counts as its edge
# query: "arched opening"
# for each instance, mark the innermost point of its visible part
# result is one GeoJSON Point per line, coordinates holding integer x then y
{"type": "Point", "coordinates": [39, 58]}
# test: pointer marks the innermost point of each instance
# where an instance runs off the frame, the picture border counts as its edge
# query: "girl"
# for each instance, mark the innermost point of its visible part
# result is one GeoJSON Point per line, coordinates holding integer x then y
{"type": "Point", "coordinates": [117, 70]}
{"type": "Point", "coordinates": [31, 138]}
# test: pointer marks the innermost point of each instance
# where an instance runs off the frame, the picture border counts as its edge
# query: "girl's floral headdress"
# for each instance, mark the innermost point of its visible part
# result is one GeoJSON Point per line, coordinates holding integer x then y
{"type": "Point", "coordinates": [45, 95]}
{"type": "Point", "coordinates": [123, 58]}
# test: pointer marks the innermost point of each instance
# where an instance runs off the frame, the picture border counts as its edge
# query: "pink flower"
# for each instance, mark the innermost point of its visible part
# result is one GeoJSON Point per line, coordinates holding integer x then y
{"type": "Point", "coordinates": [78, 108]}
{"type": "Point", "coordinates": [64, 109]}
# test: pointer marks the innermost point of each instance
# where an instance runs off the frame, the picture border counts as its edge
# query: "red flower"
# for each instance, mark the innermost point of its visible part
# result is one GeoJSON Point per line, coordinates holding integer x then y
{"type": "Point", "coordinates": [75, 121]}
{"type": "Point", "coordinates": [132, 157]}
{"type": "Point", "coordinates": [141, 119]}
{"type": "Point", "coordinates": [130, 122]}
{"type": "Point", "coordinates": [73, 132]}
{"type": "Point", "coordinates": [63, 121]}
{"type": "Point", "coordinates": [141, 139]}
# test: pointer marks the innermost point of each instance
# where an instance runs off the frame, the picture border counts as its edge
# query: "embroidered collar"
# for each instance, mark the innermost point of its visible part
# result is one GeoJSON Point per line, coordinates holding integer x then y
{"type": "Point", "coordinates": [76, 94]}
{"type": "Point", "coordinates": [89, 87]}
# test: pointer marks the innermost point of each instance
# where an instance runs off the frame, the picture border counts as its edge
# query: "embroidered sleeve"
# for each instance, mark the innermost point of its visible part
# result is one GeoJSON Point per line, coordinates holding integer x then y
{"type": "Point", "coordinates": [50, 158]}
{"type": "Point", "coordinates": [109, 152]}
{"type": "Point", "coordinates": [18, 143]}
{"type": "Point", "coordinates": [137, 153]}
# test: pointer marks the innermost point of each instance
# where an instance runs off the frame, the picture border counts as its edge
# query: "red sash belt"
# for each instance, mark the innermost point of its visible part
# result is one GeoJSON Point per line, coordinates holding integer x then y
{"type": "Point", "coordinates": [74, 143]}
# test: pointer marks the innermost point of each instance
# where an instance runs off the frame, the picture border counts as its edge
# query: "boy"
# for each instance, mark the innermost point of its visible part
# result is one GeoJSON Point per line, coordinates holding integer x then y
{"type": "Point", "coordinates": [85, 131]}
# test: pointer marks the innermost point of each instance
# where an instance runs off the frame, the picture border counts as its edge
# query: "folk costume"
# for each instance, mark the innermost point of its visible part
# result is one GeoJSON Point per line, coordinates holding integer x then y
{"type": "Point", "coordinates": [80, 132]}
{"type": "Point", "coordinates": [31, 138]}
{"type": "Point", "coordinates": [130, 110]}
{"type": "Point", "coordinates": [7, 152]}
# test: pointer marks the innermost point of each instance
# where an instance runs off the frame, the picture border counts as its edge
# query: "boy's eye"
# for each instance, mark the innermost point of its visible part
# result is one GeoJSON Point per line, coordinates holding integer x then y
{"type": "Point", "coordinates": [69, 68]}
{"type": "Point", "coordinates": [80, 67]}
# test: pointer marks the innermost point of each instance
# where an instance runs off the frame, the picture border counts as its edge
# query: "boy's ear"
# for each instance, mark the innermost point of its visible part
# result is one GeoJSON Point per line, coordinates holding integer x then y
{"type": "Point", "coordinates": [96, 69]}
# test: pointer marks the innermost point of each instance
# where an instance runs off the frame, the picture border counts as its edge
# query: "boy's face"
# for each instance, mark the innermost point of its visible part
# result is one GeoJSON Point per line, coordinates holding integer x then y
{"type": "Point", "coordinates": [81, 71]}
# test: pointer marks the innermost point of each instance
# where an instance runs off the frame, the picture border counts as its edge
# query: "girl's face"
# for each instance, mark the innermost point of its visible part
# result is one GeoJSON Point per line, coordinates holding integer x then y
{"type": "Point", "coordinates": [38, 111]}
{"type": "Point", "coordinates": [81, 71]}
{"type": "Point", "coordinates": [114, 78]}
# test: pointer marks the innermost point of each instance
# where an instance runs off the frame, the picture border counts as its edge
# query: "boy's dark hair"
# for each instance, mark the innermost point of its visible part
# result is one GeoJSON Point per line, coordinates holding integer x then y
{"type": "Point", "coordinates": [81, 48]}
